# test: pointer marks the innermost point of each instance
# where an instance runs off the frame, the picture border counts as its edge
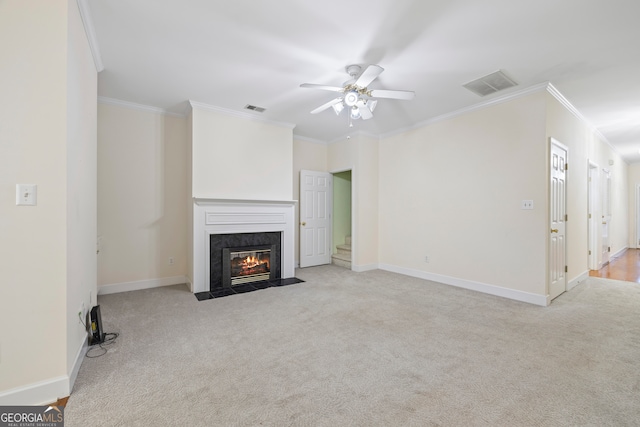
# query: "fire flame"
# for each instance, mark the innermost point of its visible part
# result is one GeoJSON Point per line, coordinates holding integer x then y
{"type": "Point", "coordinates": [250, 262]}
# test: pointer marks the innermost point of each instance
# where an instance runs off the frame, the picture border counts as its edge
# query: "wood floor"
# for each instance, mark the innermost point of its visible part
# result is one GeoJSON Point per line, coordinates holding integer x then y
{"type": "Point", "coordinates": [624, 267]}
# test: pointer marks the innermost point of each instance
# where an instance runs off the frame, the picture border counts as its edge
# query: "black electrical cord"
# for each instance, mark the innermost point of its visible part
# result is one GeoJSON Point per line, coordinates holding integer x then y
{"type": "Point", "coordinates": [109, 338]}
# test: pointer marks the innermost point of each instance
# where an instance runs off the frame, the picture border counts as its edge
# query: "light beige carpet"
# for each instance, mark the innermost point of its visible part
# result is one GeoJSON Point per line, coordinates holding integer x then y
{"type": "Point", "coordinates": [365, 349]}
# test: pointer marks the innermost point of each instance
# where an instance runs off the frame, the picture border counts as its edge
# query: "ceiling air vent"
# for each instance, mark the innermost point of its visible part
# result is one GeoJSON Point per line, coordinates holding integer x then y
{"type": "Point", "coordinates": [254, 108]}
{"type": "Point", "coordinates": [491, 83]}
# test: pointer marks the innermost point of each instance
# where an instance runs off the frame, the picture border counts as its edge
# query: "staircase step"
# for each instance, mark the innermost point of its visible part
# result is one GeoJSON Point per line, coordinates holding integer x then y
{"type": "Point", "coordinates": [341, 260]}
{"type": "Point", "coordinates": [347, 240]}
{"type": "Point", "coordinates": [344, 249]}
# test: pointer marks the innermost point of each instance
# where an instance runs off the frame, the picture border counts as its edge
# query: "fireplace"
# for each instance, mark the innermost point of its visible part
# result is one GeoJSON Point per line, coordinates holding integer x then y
{"type": "Point", "coordinates": [216, 219]}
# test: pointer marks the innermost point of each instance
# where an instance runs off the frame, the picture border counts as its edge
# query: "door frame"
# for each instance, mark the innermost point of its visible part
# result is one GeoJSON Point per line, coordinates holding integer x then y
{"type": "Point", "coordinates": [605, 199]}
{"type": "Point", "coordinates": [637, 242]}
{"type": "Point", "coordinates": [552, 142]}
{"type": "Point", "coordinates": [353, 240]}
{"type": "Point", "coordinates": [593, 199]}
{"type": "Point", "coordinates": [318, 259]}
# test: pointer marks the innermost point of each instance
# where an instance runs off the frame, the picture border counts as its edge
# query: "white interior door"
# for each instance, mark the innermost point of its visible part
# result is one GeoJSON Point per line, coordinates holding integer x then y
{"type": "Point", "coordinates": [558, 212]}
{"type": "Point", "coordinates": [606, 215]}
{"type": "Point", "coordinates": [316, 205]}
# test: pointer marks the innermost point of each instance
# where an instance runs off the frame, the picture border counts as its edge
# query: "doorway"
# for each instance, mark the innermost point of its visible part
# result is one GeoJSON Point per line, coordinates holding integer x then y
{"type": "Point", "coordinates": [342, 219]}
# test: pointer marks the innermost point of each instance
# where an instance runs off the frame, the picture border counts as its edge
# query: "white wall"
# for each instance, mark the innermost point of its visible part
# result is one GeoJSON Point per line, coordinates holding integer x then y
{"type": "Point", "coordinates": [239, 158]}
{"type": "Point", "coordinates": [142, 197]}
{"type": "Point", "coordinates": [48, 87]}
{"type": "Point", "coordinates": [451, 191]}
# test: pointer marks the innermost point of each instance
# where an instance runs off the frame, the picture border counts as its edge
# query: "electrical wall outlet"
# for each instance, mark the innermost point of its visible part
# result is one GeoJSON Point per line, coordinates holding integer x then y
{"type": "Point", "coordinates": [171, 260]}
{"type": "Point", "coordinates": [526, 204]}
{"type": "Point", "coordinates": [426, 259]}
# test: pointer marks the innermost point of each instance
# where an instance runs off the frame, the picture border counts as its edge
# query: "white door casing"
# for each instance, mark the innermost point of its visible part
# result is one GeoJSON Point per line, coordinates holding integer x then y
{"type": "Point", "coordinates": [316, 206]}
{"type": "Point", "coordinates": [592, 216]}
{"type": "Point", "coordinates": [557, 220]}
{"type": "Point", "coordinates": [637, 244]}
{"type": "Point", "coordinates": [606, 215]}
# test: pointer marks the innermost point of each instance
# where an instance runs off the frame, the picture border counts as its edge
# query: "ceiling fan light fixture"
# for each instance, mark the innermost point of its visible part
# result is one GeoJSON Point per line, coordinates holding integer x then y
{"type": "Point", "coordinates": [338, 108]}
{"type": "Point", "coordinates": [355, 113]}
{"type": "Point", "coordinates": [351, 98]}
{"type": "Point", "coordinates": [371, 104]}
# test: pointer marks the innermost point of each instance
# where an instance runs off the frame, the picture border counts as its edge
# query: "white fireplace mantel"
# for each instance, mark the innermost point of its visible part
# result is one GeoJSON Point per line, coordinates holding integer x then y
{"type": "Point", "coordinates": [227, 216]}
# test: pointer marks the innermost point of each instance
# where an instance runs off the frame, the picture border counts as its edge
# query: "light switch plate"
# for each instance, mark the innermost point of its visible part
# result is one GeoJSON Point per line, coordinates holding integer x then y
{"type": "Point", "coordinates": [26, 194]}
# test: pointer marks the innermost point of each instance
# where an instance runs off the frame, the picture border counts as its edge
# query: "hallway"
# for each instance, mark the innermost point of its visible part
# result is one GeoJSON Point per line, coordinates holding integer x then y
{"type": "Point", "coordinates": [624, 267]}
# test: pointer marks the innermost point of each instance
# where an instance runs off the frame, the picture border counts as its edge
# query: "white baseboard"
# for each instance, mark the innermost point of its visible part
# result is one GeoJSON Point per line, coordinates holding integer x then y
{"type": "Point", "coordinates": [40, 393]}
{"type": "Point", "coordinates": [364, 267]}
{"type": "Point", "coordinates": [471, 285]}
{"type": "Point", "coordinates": [45, 392]}
{"type": "Point", "coordinates": [618, 253]}
{"type": "Point", "coordinates": [82, 351]}
{"type": "Point", "coordinates": [114, 288]}
{"type": "Point", "coordinates": [577, 280]}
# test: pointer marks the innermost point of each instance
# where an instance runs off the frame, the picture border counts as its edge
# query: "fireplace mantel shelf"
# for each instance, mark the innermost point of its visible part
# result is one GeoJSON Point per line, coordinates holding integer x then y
{"type": "Point", "coordinates": [204, 202]}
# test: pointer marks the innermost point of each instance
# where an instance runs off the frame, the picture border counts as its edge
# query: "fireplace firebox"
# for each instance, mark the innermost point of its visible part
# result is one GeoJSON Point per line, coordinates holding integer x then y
{"type": "Point", "coordinates": [242, 258]}
{"type": "Point", "coordinates": [247, 265]}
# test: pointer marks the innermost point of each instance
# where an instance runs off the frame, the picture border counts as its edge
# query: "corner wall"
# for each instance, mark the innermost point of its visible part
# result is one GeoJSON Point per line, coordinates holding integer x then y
{"type": "Point", "coordinates": [360, 154]}
{"type": "Point", "coordinates": [82, 84]}
{"type": "Point", "coordinates": [142, 194]}
{"type": "Point", "coordinates": [568, 127]}
{"type": "Point", "coordinates": [47, 251]}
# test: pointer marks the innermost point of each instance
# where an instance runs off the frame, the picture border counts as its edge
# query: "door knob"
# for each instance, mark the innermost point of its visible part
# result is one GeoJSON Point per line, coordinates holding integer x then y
{"type": "Point", "coordinates": [554, 230]}
{"type": "Point", "coordinates": [303, 224]}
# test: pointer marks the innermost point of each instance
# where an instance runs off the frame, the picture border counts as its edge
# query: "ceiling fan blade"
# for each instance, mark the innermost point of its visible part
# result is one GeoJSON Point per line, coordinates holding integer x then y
{"type": "Point", "coordinates": [365, 112]}
{"type": "Point", "coordinates": [323, 87]}
{"type": "Point", "coordinates": [393, 94]}
{"type": "Point", "coordinates": [327, 105]}
{"type": "Point", "coordinates": [369, 75]}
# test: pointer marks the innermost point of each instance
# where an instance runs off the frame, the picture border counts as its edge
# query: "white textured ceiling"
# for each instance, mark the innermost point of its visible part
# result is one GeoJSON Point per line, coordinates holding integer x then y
{"type": "Point", "coordinates": [162, 53]}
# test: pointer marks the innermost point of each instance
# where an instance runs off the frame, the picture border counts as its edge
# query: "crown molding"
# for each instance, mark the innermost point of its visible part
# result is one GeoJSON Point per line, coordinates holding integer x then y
{"type": "Point", "coordinates": [139, 107]}
{"type": "Point", "coordinates": [238, 114]}
{"type": "Point", "coordinates": [87, 21]}
{"type": "Point", "coordinates": [475, 107]}
{"type": "Point", "coordinates": [307, 139]}
{"type": "Point", "coordinates": [553, 91]}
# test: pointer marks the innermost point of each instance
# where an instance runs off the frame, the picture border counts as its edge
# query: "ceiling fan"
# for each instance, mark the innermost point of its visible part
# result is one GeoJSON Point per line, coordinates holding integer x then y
{"type": "Point", "coordinates": [356, 95]}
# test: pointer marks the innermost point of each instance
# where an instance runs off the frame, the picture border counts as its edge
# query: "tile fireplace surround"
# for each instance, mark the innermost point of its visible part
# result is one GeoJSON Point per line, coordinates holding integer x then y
{"type": "Point", "coordinates": [225, 216]}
